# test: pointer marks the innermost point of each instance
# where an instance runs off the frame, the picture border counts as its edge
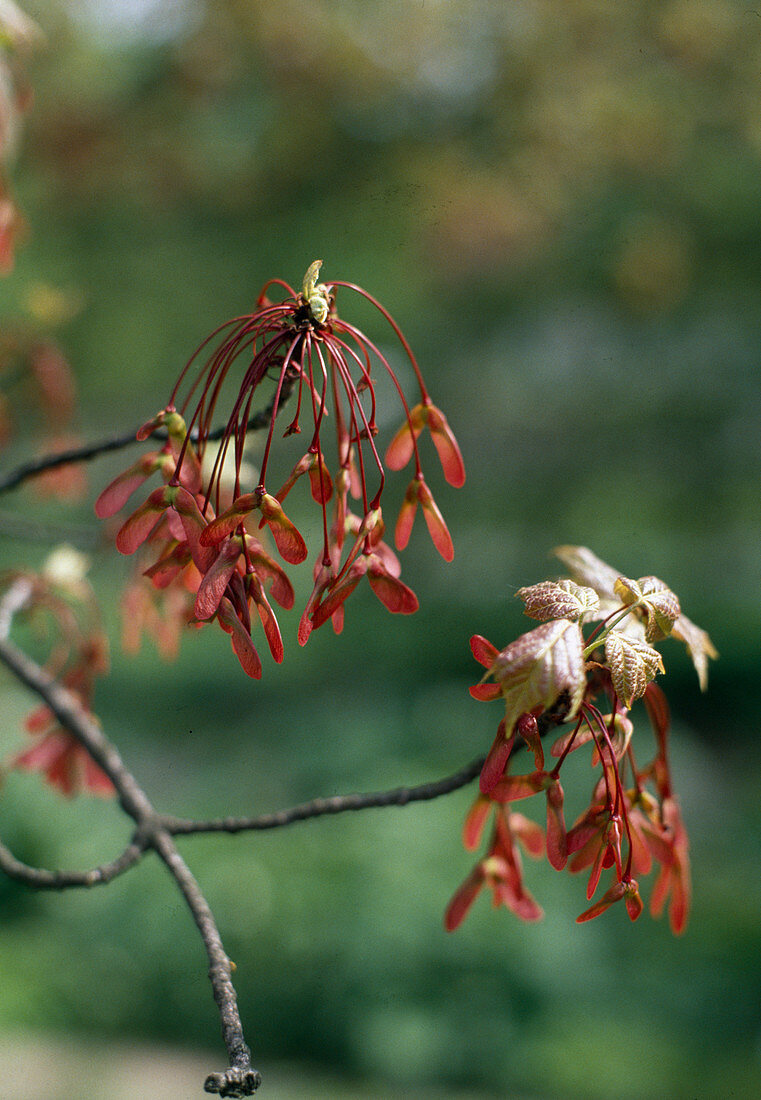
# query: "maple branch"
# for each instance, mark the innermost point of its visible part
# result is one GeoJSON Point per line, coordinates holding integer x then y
{"type": "Point", "coordinates": [319, 807]}
{"type": "Point", "coordinates": [84, 453]}
{"type": "Point", "coordinates": [239, 1079]}
{"type": "Point", "coordinates": [88, 451]}
{"type": "Point", "coordinates": [339, 804]}
{"type": "Point", "coordinates": [39, 879]}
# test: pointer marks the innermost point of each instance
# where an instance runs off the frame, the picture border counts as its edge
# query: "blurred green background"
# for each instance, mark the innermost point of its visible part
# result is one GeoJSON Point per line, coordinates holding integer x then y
{"type": "Point", "coordinates": [560, 203]}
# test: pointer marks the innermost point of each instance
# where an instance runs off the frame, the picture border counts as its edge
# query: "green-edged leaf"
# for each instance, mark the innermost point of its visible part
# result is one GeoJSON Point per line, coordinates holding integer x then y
{"type": "Point", "coordinates": [538, 667]}
{"type": "Point", "coordinates": [558, 600]}
{"type": "Point", "coordinates": [658, 603]}
{"type": "Point", "coordinates": [699, 646]}
{"type": "Point", "coordinates": [586, 568]}
{"type": "Point", "coordinates": [633, 664]}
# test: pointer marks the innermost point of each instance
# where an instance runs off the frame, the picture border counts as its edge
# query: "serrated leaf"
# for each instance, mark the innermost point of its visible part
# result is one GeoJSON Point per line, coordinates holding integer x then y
{"type": "Point", "coordinates": [662, 607]}
{"type": "Point", "coordinates": [633, 664]}
{"type": "Point", "coordinates": [658, 603]}
{"type": "Point", "coordinates": [586, 568]}
{"type": "Point", "coordinates": [558, 600]}
{"type": "Point", "coordinates": [699, 646]}
{"type": "Point", "coordinates": [628, 591]}
{"type": "Point", "coordinates": [540, 666]}
{"type": "Point", "coordinates": [483, 651]}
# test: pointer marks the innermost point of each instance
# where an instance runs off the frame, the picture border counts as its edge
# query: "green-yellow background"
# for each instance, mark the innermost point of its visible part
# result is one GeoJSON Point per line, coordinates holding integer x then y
{"type": "Point", "coordinates": [561, 205]}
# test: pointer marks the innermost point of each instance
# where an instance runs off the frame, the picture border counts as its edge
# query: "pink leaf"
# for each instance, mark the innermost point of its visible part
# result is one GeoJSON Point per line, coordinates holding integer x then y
{"type": "Point", "coordinates": [406, 517]}
{"type": "Point", "coordinates": [657, 708]}
{"type": "Point", "coordinates": [268, 619]}
{"type": "Point", "coordinates": [287, 538]}
{"type": "Point", "coordinates": [194, 525]}
{"type": "Point", "coordinates": [138, 527]}
{"type": "Point", "coordinates": [437, 528]}
{"type": "Point", "coordinates": [613, 895]}
{"type": "Point", "coordinates": [306, 627]}
{"type": "Point", "coordinates": [118, 492]}
{"type": "Point", "coordinates": [281, 588]}
{"type": "Point", "coordinates": [241, 640]}
{"type": "Point", "coordinates": [214, 584]}
{"type": "Point", "coordinates": [485, 693]}
{"type": "Point", "coordinates": [557, 849]}
{"type": "Point", "coordinates": [519, 902]}
{"type": "Point", "coordinates": [529, 834]}
{"type": "Point", "coordinates": [483, 651]}
{"type": "Point", "coordinates": [496, 761]}
{"type": "Point", "coordinates": [400, 449]}
{"type": "Point", "coordinates": [226, 523]}
{"type": "Point", "coordinates": [513, 787]}
{"type": "Point", "coordinates": [392, 593]}
{"type": "Point", "coordinates": [320, 481]}
{"type": "Point", "coordinates": [477, 817]}
{"type": "Point", "coordinates": [163, 572]}
{"type": "Point", "coordinates": [189, 473]}
{"type": "Point", "coordinates": [446, 447]}
{"type": "Point", "coordinates": [333, 601]}
{"type": "Point", "coordinates": [459, 906]}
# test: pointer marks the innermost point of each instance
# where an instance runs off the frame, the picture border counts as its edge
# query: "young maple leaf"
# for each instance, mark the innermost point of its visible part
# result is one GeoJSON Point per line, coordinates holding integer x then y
{"type": "Point", "coordinates": [538, 667]}
{"type": "Point", "coordinates": [656, 600]}
{"type": "Point", "coordinates": [633, 664]}
{"type": "Point", "coordinates": [558, 600]}
{"type": "Point", "coordinates": [587, 569]}
{"type": "Point", "coordinates": [699, 646]}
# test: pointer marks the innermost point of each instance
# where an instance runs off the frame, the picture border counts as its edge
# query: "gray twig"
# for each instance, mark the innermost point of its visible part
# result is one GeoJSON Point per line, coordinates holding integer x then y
{"type": "Point", "coordinates": [318, 807]}
{"type": "Point", "coordinates": [240, 1079]}
{"type": "Point", "coordinates": [88, 451]}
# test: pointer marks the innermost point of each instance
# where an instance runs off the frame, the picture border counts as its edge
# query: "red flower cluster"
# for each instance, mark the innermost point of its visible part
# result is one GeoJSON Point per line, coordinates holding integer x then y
{"type": "Point", "coordinates": [18, 34]}
{"type": "Point", "coordinates": [57, 754]}
{"type": "Point", "coordinates": [203, 525]}
{"type": "Point", "coordinates": [552, 675]}
{"type": "Point", "coordinates": [61, 596]}
{"type": "Point", "coordinates": [41, 381]}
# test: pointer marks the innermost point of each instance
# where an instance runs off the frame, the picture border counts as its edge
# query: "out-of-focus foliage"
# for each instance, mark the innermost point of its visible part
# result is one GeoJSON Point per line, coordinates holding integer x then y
{"type": "Point", "coordinates": [559, 203]}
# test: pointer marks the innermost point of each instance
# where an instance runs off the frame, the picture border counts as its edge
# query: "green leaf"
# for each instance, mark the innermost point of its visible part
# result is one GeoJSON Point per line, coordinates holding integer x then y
{"type": "Point", "coordinates": [657, 602]}
{"type": "Point", "coordinates": [699, 646]}
{"type": "Point", "coordinates": [540, 666]}
{"type": "Point", "coordinates": [586, 568]}
{"type": "Point", "coordinates": [558, 600]}
{"type": "Point", "coordinates": [633, 664]}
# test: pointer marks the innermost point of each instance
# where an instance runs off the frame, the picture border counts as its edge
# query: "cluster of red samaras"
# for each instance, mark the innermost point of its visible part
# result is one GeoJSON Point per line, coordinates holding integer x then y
{"type": "Point", "coordinates": [553, 675]}
{"type": "Point", "coordinates": [18, 35]}
{"type": "Point", "coordinates": [37, 388]}
{"type": "Point", "coordinates": [60, 606]}
{"type": "Point", "coordinates": [203, 525]}
{"type": "Point", "coordinates": [627, 827]}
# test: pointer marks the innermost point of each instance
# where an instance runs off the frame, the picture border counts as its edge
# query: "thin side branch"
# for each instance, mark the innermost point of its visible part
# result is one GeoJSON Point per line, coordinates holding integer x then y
{"type": "Point", "coordinates": [40, 879]}
{"type": "Point", "coordinates": [156, 831]}
{"type": "Point", "coordinates": [88, 451]}
{"type": "Point", "coordinates": [240, 1079]}
{"type": "Point", "coordinates": [84, 728]}
{"type": "Point", "coordinates": [318, 807]}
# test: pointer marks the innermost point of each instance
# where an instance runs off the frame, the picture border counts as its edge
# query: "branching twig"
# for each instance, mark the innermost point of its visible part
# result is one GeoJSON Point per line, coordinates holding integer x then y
{"type": "Point", "coordinates": [40, 879]}
{"type": "Point", "coordinates": [397, 796]}
{"type": "Point", "coordinates": [155, 831]}
{"type": "Point", "coordinates": [88, 451]}
{"type": "Point", "coordinates": [240, 1079]}
{"type": "Point", "coordinates": [84, 453]}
